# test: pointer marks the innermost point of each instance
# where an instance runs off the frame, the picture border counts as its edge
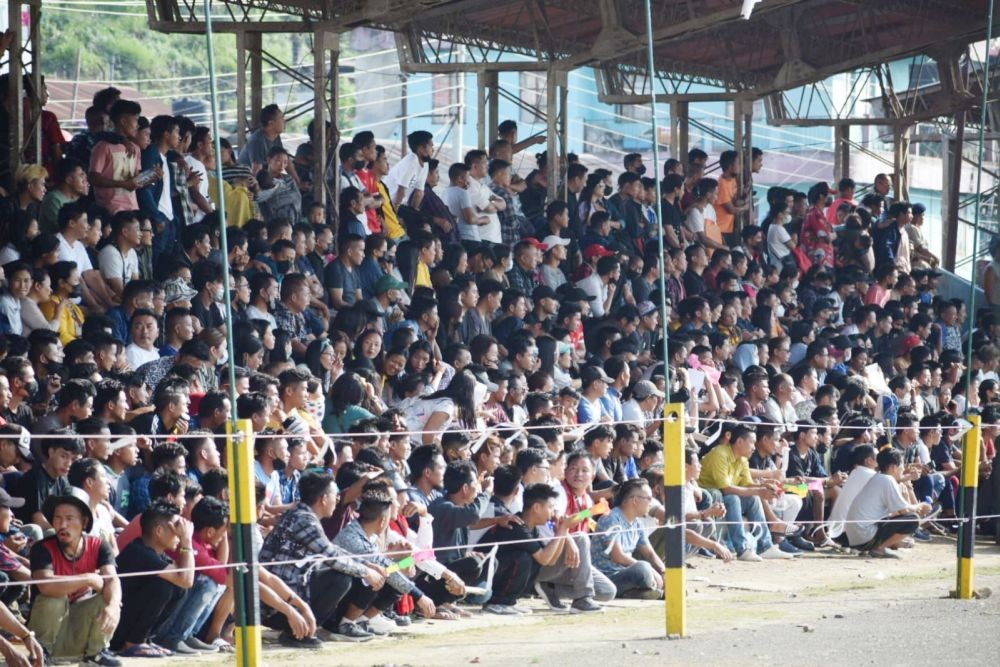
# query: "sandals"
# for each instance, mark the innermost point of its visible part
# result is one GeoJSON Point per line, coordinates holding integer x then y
{"type": "Point", "coordinates": [444, 615]}
{"type": "Point", "coordinates": [145, 651]}
{"type": "Point", "coordinates": [223, 645]}
{"type": "Point", "coordinates": [883, 554]}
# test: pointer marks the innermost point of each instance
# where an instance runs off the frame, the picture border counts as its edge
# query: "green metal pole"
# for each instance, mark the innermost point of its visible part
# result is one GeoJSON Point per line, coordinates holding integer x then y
{"type": "Point", "coordinates": [659, 196]}
{"type": "Point", "coordinates": [247, 610]}
{"type": "Point", "coordinates": [979, 195]}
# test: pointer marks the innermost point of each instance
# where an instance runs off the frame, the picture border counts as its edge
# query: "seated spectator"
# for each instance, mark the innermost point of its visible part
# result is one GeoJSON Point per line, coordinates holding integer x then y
{"type": "Point", "coordinates": [210, 543]}
{"type": "Point", "coordinates": [147, 601]}
{"type": "Point", "coordinates": [298, 535]}
{"type": "Point", "coordinates": [879, 517]}
{"type": "Point", "coordinates": [621, 550]}
{"type": "Point", "coordinates": [726, 469]}
{"type": "Point", "coordinates": [522, 553]}
{"type": "Point", "coordinates": [74, 619]}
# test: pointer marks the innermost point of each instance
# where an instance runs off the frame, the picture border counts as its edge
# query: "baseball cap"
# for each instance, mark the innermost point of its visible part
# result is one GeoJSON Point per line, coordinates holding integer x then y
{"type": "Point", "coordinates": [386, 283]}
{"type": "Point", "coordinates": [543, 292]}
{"type": "Point", "coordinates": [22, 441]}
{"type": "Point", "coordinates": [6, 500]}
{"type": "Point", "coordinates": [176, 289]}
{"type": "Point", "coordinates": [535, 242]}
{"type": "Point", "coordinates": [919, 209]}
{"type": "Point", "coordinates": [908, 343]}
{"type": "Point", "coordinates": [573, 294]}
{"type": "Point", "coordinates": [643, 389]}
{"type": "Point", "coordinates": [646, 308]}
{"type": "Point", "coordinates": [590, 373]}
{"type": "Point", "coordinates": [552, 241]}
{"type": "Point", "coordinates": [595, 250]}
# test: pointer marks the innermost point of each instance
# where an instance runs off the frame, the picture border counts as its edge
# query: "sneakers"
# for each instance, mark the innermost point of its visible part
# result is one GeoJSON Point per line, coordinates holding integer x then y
{"type": "Point", "coordinates": [750, 556]}
{"type": "Point", "coordinates": [500, 610]}
{"type": "Point", "coordinates": [348, 631]}
{"type": "Point", "coordinates": [523, 611]}
{"type": "Point", "coordinates": [800, 543]}
{"type": "Point", "coordinates": [180, 648]}
{"type": "Point", "coordinates": [585, 606]}
{"type": "Point", "coordinates": [548, 593]}
{"type": "Point", "coordinates": [289, 640]}
{"type": "Point", "coordinates": [789, 548]}
{"type": "Point", "coordinates": [775, 553]}
{"type": "Point", "coordinates": [400, 620]}
{"type": "Point", "coordinates": [380, 625]}
{"type": "Point", "coordinates": [198, 645]}
{"type": "Point", "coordinates": [102, 659]}
{"type": "Point", "coordinates": [922, 535]}
{"type": "Point", "coordinates": [643, 594]}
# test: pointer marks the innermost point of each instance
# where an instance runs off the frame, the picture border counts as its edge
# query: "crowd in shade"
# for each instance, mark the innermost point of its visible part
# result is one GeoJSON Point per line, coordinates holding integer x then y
{"type": "Point", "coordinates": [455, 381]}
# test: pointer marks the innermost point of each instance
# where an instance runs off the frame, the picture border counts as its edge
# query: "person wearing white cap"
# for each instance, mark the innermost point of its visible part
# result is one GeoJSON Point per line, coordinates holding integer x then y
{"type": "Point", "coordinates": [550, 273]}
{"type": "Point", "coordinates": [641, 407]}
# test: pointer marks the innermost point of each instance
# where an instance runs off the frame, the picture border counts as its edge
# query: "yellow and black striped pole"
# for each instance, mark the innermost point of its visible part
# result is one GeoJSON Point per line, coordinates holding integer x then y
{"type": "Point", "coordinates": [674, 577]}
{"type": "Point", "coordinates": [243, 513]}
{"type": "Point", "coordinates": [967, 508]}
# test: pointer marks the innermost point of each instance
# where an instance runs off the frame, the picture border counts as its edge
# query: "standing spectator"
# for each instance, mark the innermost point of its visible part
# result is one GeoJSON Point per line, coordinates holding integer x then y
{"type": "Point", "coordinates": [405, 181]}
{"type": "Point", "coordinates": [114, 161]}
{"type": "Point", "coordinates": [265, 139]}
{"type": "Point", "coordinates": [729, 203]}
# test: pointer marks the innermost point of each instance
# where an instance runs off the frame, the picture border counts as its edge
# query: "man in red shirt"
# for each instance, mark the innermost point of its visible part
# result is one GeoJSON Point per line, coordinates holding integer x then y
{"type": "Point", "coordinates": [79, 601]}
{"type": "Point", "coordinates": [817, 232]}
{"type": "Point", "coordinates": [365, 142]}
{"type": "Point", "coordinates": [845, 188]}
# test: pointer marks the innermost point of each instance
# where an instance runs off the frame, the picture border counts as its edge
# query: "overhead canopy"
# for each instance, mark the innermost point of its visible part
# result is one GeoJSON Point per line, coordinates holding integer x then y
{"type": "Point", "coordinates": [786, 43]}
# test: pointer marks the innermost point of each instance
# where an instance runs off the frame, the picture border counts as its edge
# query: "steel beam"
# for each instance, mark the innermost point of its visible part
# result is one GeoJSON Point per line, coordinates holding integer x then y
{"type": "Point", "coordinates": [841, 152]}
{"type": "Point", "coordinates": [952, 161]}
{"type": "Point", "coordinates": [254, 52]}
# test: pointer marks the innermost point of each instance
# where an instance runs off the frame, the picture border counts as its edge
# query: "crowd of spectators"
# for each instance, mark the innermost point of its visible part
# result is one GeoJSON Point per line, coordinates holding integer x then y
{"type": "Point", "coordinates": [448, 363]}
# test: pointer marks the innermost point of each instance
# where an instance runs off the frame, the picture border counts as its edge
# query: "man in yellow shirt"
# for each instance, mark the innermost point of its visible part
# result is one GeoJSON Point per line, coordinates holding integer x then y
{"type": "Point", "coordinates": [727, 469]}
{"type": "Point", "coordinates": [380, 167]}
{"type": "Point", "coordinates": [425, 243]}
{"type": "Point", "coordinates": [65, 278]}
{"type": "Point", "coordinates": [238, 192]}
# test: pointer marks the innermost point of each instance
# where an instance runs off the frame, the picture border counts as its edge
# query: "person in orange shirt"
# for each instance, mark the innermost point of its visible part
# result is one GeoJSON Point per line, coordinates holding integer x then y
{"type": "Point", "coordinates": [845, 195]}
{"type": "Point", "coordinates": [727, 203]}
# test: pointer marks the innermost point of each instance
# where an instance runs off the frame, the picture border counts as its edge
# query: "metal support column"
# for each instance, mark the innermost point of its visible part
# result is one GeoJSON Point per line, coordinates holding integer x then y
{"type": "Point", "coordinates": [564, 139]}
{"type": "Point", "coordinates": [555, 79]}
{"type": "Point", "coordinates": [319, 116]}
{"type": "Point", "coordinates": [492, 82]}
{"type": "Point", "coordinates": [254, 48]}
{"type": "Point", "coordinates": [15, 91]}
{"type": "Point", "coordinates": [841, 152]}
{"type": "Point", "coordinates": [480, 111]}
{"type": "Point", "coordinates": [900, 162]}
{"type": "Point", "coordinates": [952, 161]}
{"type": "Point", "coordinates": [746, 158]}
{"type": "Point", "coordinates": [680, 131]}
{"type": "Point", "coordinates": [35, 47]}
{"type": "Point", "coordinates": [241, 88]}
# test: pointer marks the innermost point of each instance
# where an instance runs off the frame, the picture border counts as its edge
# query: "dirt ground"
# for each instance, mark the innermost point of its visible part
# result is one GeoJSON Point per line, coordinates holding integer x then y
{"type": "Point", "coordinates": [841, 610]}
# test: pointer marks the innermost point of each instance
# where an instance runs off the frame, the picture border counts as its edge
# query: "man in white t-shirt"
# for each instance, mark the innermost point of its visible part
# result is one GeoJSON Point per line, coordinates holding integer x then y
{"type": "Point", "coordinates": [779, 243]}
{"type": "Point", "coordinates": [405, 181]}
{"type": "Point", "coordinates": [118, 260]}
{"type": "Point", "coordinates": [880, 517]}
{"type": "Point", "coordinates": [456, 198]}
{"type": "Point", "coordinates": [202, 151]}
{"type": "Point", "coordinates": [145, 330]}
{"type": "Point", "coordinates": [485, 202]}
{"type": "Point", "coordinates": [73, 228]}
